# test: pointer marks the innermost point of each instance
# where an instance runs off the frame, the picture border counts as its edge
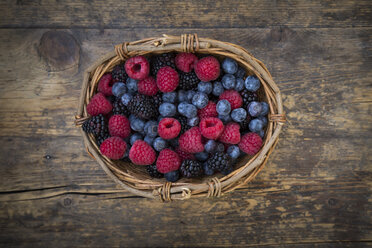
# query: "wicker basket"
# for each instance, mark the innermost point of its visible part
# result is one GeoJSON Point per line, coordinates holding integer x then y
{"type": "Point", "coordinates": [134, 178]}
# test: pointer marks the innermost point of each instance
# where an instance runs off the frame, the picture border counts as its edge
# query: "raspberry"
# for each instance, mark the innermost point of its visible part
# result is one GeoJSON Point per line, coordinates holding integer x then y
{"type": "Point", "coordinates": [147, 86]}
{"type": "Point", "coordinates": [119, 126]}
{"type": "Point", "coordinates": [119, 74]}
{"type": "Point", "coordinates": [99, 105]}
{"type": "Point", "coordinates": [137, 67]}
{"type": "Point", "coordinates": [184, 155]}
{"type": "Point", "coordinates": [191, 168]}
{"type": "Point", "coordinates": [188, 80]}
{"type": "Point", "coordinates": [185, 61]}
{"type": "Point", "coordinates": [167, 79]}
{"type": "Point", "coordinates": [105, 85]}
{"type": "Point", "coordinates": [208, 111]}
{"type": "Point", "coordinates": [233, 97]}
{"type": "Point", "coordinates": [113, 148]}
{"type": "Point", "coordinates": [250, 143]}
{"type": "Point", "coordinates": [159, 61]}
{"type": "Point", "coordinates": [167, 161]}
{"type": "Point", "coordinates": [231, 134]}
{"type": "Point", "coordinates": [207, 69]}
{"type": "Point", "coordinates": [211, 127]}
{"type": "Point", "coordinates": [142, 106]}
{"type": "Point", "coordinates": [142, 153]}
{"type": "Point", "coordinates": [169, 128]}
{"type": "Point", "coordinates": [191, 141]}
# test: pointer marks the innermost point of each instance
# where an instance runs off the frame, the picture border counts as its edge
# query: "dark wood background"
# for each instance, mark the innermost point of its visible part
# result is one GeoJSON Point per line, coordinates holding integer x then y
{"type": "Point", "coordinates": [315, 190]}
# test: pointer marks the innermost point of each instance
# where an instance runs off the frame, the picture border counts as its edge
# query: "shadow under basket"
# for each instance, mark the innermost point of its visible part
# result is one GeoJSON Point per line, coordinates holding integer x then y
{"type": "Point", "coordinates": [134, 178]}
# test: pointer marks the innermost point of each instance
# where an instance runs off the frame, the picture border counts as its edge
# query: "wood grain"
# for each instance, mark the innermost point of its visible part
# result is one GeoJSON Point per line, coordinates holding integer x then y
{"type": "Point", "coordinates": [314, 192]}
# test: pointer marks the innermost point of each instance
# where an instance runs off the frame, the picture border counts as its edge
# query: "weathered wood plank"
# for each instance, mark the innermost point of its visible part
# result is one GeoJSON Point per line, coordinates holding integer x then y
{"type": "Point", "coordinates": [315, 190]}
{"type": "Point", "coordinates": [184, 14]}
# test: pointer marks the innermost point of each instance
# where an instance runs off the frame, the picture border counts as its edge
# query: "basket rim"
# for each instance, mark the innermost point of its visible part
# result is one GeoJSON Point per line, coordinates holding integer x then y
{"type": "Point", "coordinates": [184, 43]}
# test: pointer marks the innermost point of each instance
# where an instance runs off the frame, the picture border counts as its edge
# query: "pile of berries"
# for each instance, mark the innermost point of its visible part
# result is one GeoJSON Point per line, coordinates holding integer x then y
{"type": "Point", "coordinates": [178, 114]}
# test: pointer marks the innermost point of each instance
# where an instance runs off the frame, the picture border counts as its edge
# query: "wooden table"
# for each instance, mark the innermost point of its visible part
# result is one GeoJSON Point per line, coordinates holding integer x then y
{"type": "Point", "coordinates": [315, 190]}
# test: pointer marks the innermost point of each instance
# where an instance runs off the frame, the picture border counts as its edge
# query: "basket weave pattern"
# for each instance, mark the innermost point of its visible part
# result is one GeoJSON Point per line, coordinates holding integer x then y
{"type": "Point", "coordinates": [133, 178]}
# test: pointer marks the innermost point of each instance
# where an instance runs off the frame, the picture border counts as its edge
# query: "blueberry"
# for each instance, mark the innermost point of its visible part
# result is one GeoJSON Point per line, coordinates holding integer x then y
{"type": "Point", "coordinates": [125, 99]}
{"type": "Point", "coordinates": [233, 152]}
{"type": "Point", "coordinates": [134, 137]}
{"type": "Point", "coordinates": [210, 146]}
{"type": "Point", "coordinates": [132, 117]}
{"type": "Point", "coordinates": [172, 176]}
{"type": "Point", "coordinates": [229, 66]}
{"type": "Point", "coordinates": [149, 140]}
{"type": "Point", "coordinates": [252, 83]}
{"type": "Point", "coordinates": [187, 110]}
{"type": "Point", "coordinates": [151, 129]}
{"type": "Point", "coordinates": [205, 87]}
{"type": "Point", "coordinates": [256, 125]}
{"type": "Point", "coordinates": [254, 108]}
{"type": "Point", "coordinates": [170, 97]}
{"type": "Point", "coordinates": [239, 86]}
{"type": "Point", "coordinates": [190, 94]}
{"type": "Point", "coordinates": [174, 142]}
{"type": "Point", "coordinates": [159, 144]}
{"type": "Point", "coordinates": [223, 107]}
{"type": "Point", "coordinates": [217, 89]}
{"type": "Point", "coordinates": [265, 109]}
{"type": "Point", "coordinates": [202, 156]}
{"type": "Point", "coordinates": [200, 100]}
{"type": "Point", "coordinates": [137, 125]}
{"type": "Point", "coordinates": [220, 147]}
{"type": "Point", "coordinates": [228, 81]}
{"type": "Point", "coordinates": [207, 171]}
{"type": "Point", "coordinates": [193, 121]}
{"type": "Point", "coordinates": [225, 118]}
{"type": "Point", "coordinates": [239, 114]}
{"type": "Point", "coordinates": [167, 109]}
{"type": "Point", "coordinates": [240, 73]}
{"type": "Point", "coordinates": [263, 119]}
{"type": "Point", "coordinates": [261, 133]}
{"type": "Point", "coordinates": [118, 89]}
{"type": "Point", "coordinates": [182, 96]}
{"type": "Point", "coordinates": [132, 85]}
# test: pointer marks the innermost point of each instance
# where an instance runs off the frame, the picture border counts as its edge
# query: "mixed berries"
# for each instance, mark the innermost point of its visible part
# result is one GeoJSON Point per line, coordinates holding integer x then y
{"type": "Point", "coordinates": [178, 115]}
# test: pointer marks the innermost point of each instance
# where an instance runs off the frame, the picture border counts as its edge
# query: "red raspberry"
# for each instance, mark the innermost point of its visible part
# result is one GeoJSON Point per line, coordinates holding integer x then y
{"type": "Point", "coordinates": [167, 161]}
{"type": "Point", "coordinates": [99, 105]}
{"type": "Point", "coordinates": [184, 155]}
{"type": "Point", "coordinates": [208, 111]}
{"type": "Point", "coordinates": [169, 128]}
{"type": "Point", "coordinates": [147, 86]}
{"type": "Point", "coordinates": [113, 147]}
{"type": "Point", "coordinates": [105, 85]}
{"type": "Point", "coordinates": [185, 61]}
{"type": "Point", "coordinates": [207, 69]}
{"type": "Point", "coordinates": [231, 134]}
{"type": "Point", "coordinates": [137, 67]}
{"type": "Point", "coordinates": [142, 153]}
{"type": "Point", "coordinates": [211, 127]}
{"type": "Point", "coordinates": [167, 79]}
{"type": "Point", "coordinates": [191, 141]}
{"type": "Point", "coordinates": [233, 97]}
{"type": "Point", "coordinates": [250, 143]}
{"type": "Point", "coordinates": [119, 126]}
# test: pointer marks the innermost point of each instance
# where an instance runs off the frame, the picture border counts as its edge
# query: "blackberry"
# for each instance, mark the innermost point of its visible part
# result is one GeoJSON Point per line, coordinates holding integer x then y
{"type": "Point", "coordinates": [95, 125]}
{"type": "Point", "coordinates": [184, 125]}
{"type": "Point", "coordinates": [159, 61]}
{"type": "Point", "coordinates": [143, 107]}
{"type": "Point", "coordinates": [248, 97]}
{"type": "Point", "coordinates": [111, 98]}
{"type": "Point", "coordinates": [244, 125]}
{"type": "Point", "coordinates": [119, 74]}
{"type": "Point", "coordinates": [220, 161]}
{"type": "Point", "coordinates": [153, 172]}
{"type": "Point", "coordinates": [188, 80]}
{"type": "Point", "coordinates": [119, 108]}
{"type": "Point", "coordinates": [191, 168]}
{"type": "Point", "coordinates": [158, 99]}
{"type": "Point", "coordinates": [102, 136]}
